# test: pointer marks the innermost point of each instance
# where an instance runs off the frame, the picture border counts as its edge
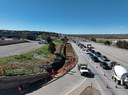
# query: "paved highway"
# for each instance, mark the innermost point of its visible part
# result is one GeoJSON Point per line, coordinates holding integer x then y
{"type": "Point", "coordinates": [69, 83]}
{"type": "Point", "coordinates": [73, 84]}
{"type": "Point", "coordinates": [113, 53]}
{"type": "Point", "coordinates": [20, 48]}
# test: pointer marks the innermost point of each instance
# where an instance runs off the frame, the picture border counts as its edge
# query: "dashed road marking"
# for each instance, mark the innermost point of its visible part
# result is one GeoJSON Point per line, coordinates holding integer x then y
{"type": "Point", "coordinates": [76, 87]}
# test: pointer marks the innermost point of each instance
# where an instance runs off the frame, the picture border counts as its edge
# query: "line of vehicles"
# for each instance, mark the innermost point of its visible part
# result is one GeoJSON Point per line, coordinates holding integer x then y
{"type": "Point", "coordinates": [119, 73]}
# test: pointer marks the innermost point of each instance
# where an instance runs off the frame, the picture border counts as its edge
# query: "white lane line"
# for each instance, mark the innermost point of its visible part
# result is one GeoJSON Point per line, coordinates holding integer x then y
{"type": "Point", "coordinates": [75, 87]}
{"type": "Point", "coordinates": [102, 93]}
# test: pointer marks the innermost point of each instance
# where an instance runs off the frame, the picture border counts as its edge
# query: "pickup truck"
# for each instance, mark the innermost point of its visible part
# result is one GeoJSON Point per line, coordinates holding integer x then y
{"type": "Point", "coordinates": [84, 71]}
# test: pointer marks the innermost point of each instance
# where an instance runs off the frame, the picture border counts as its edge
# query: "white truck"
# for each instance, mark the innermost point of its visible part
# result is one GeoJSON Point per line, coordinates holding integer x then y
{"type": "Point", "coordinates": [84, 71]}
{"type": "Point", "coordinates": [120, 75]}
{"type": "Point", "coordinates": [89, 45]}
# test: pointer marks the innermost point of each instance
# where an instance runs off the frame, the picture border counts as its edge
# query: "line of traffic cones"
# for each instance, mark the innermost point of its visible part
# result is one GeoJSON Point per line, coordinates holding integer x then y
{"type": "Point", "coordinates": [109, 87]}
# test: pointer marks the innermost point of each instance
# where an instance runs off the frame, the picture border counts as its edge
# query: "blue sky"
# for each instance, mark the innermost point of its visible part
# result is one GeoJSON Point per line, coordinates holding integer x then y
{"type": "Point", "coordinates": [65, 16]}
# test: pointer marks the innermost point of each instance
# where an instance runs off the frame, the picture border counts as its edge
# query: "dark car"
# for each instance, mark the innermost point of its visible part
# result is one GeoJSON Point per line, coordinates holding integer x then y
{"type": "Point", "coordinates": [104, 58]}
{"type": "Point", "coordinates": [98, 54]}
{"type": "Point", "coordinates": [93, 51]}
{"type": "Point", "coordinates": [113, 63]}
{"type": "Point", "coordinates": [104, 65]}
{"type": "Point", "coordinates": [91, 55]}
{"type": "Point", "coordinates": [95, 59]}
{"type": "Point", "coordinates": [84, 46]}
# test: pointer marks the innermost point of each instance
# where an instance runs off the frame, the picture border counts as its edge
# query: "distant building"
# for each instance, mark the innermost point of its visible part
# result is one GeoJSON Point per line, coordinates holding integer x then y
{"type": "Point", "coordinates": [7, 35]}
{"type": "Point", "coordinates": [31, 36]}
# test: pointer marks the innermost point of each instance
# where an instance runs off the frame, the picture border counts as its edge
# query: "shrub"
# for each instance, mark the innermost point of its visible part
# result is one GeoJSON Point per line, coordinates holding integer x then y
{"type": "Point", "coordinates": [107, 42]}
{"type": "Point", "coordinates": [122, 44]}
{"type": "Point", "coordinates": [52, 47]}
{"type": "Point", "coordinates": [93, 39]}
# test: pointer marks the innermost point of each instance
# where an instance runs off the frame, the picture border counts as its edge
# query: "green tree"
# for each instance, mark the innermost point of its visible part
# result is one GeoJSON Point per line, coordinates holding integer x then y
{"type": "Point", "coordinates": [52, 47]}
{"type": "Point", "coordinates": [49, 40]}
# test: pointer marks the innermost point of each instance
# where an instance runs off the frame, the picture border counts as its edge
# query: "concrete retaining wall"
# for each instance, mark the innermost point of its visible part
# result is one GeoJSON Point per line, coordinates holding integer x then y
{"type": "Point", "coordinates": [14, 81]}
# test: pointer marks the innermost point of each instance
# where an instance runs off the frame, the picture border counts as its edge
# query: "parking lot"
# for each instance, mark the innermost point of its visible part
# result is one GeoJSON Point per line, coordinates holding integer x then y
{"type": "Point", "coordinates": [20, 48]}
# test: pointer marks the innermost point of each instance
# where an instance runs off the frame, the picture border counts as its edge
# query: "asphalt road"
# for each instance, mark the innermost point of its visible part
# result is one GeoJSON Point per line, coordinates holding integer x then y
{"type": "Point", "coordinates": [70, 82]}
{"type": "Point", "coordinates": [20, 48]}
{"type": "Point", "coordinates": [63, 85]}
{"type": "Point", "coordinates": [113, 53]}
{"type": "Point", "coordinates": [67, 84]}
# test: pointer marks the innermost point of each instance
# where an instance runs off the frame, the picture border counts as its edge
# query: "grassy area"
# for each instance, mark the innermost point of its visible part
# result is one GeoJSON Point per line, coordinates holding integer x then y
{"type": "Point", "coordinates": [28, 57]}
{"type": "Point", "coordinates": [43, 51]}
{"type": "Point", "coordinates": [26, 62]}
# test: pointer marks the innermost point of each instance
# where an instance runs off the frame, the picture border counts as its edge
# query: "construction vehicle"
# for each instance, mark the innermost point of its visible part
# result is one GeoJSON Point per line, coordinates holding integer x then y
{"type": "Point", "coordinates": [120, 75]}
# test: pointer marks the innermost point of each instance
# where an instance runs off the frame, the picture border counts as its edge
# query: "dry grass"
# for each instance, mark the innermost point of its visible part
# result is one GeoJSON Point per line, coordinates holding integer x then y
{"type": "Point", "coordinates": [69, 50]}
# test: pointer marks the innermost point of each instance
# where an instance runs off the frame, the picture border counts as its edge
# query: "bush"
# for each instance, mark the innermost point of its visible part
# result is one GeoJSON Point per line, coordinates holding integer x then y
{"type": "Point", "coordinates": [107, 42]}
{"type": "Point", "coordinates": [52, 47]}
{"type": "Point", "coordinates": [122, 44]}
{"type": "Point", "coordinates": [93, 39]}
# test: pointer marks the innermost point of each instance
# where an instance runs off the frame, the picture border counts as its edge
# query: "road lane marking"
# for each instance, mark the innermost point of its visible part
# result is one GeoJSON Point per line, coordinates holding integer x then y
{"type": "Point", "coordinates": [108, 53]}
{"type": "Point", "coordinates": [76, 87]}
{"type": "Point", "coordinates": [99, 87]}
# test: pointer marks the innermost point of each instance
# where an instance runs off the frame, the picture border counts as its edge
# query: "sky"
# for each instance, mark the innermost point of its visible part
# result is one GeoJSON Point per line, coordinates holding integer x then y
{"type": "Point", "coordinates": [65, 16]}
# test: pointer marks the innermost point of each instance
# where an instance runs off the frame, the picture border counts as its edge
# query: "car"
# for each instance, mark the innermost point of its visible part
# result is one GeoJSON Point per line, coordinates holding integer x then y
{"type": "Point", "coordinates": [104, 58]}
{"type": "Point", "coordinates": [113, 63]}
{"type": "Point", "coordinates": [84, 46]}
{"type": "Point", "coordinates": [93, 51]}
{"type": "Point", "coordinates": [104, 65]}
{"type": "Point", "coordinates": [95, 59]}
{"type": "Point", "coordinates": [91, 55]}
{"type": "Point", "coordinates": [43, 42]}
{"type": "Point", "coordinates": [98, 54]}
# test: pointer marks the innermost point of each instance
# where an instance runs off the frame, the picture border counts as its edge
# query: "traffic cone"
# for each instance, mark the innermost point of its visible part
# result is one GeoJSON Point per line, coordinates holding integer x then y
{"type": "Point", "coordinates": [116, 86]}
